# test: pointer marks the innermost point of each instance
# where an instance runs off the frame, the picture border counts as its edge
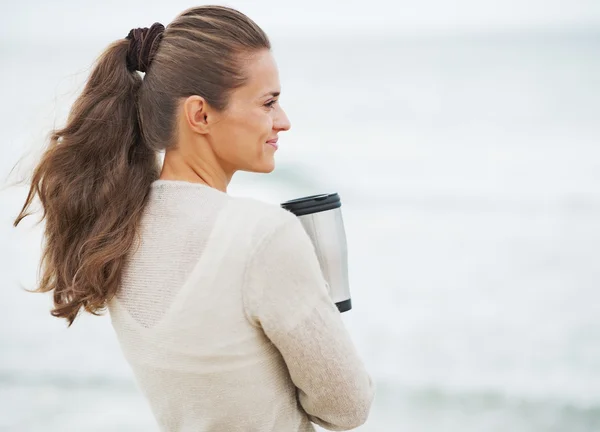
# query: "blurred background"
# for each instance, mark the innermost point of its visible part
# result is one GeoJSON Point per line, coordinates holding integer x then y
{"type": "Point", "coordinates": [463, 138]}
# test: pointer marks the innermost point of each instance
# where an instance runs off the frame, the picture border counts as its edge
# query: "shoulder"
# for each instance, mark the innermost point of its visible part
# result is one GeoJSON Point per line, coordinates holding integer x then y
{"type": "Point", "coordinates": [261, 209]}
{"type": "Point", "coordinates": [259, 217]}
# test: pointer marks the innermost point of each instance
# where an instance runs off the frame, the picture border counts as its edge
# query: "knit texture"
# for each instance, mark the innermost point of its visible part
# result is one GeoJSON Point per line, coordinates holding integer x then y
{"type": "Point", "coordinates": [225, 318]}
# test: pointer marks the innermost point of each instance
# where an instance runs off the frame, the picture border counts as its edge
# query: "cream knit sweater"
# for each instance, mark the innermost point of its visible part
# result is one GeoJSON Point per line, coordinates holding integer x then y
{"type": "Point", "coordinates": [225, 318]}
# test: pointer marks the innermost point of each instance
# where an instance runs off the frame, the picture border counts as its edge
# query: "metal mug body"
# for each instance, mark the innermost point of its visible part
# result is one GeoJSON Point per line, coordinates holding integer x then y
{"type": "Point", "coordinates": [321, 217]}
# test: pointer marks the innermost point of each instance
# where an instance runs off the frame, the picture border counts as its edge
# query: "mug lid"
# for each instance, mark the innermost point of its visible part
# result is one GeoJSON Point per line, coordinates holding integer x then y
{"type": "Point", "coordinates": [313, 204]}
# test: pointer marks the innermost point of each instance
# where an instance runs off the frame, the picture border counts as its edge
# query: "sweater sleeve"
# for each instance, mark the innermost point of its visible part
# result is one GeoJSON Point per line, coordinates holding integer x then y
{"type": "Point", "coordinates": [287, 296]}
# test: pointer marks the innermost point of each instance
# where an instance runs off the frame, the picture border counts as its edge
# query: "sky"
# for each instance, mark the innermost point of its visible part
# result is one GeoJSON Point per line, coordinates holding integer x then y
{"type": "Point", "coordinates": [34, 20]}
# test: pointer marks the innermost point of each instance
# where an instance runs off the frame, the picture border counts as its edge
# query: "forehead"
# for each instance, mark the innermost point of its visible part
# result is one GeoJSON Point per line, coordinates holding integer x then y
{"type": "Point", "coordinates": [263, 76]}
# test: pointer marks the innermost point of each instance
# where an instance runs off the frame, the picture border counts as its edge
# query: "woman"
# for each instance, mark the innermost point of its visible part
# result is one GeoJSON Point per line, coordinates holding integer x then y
{"type": "Point", "coordinates": [219, 303]}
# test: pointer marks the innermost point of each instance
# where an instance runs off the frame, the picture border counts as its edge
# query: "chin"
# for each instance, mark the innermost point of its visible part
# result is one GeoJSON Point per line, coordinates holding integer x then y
{"type": "Point", "coordinates": [262, 168]}
{"type": "Point", "coordinates": [267, 169]}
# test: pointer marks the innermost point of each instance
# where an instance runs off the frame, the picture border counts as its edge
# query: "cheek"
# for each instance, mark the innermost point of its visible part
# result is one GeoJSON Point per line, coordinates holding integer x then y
{"type": "Point", "coordinates": [244, 126]}
{"type": "Point", "coordinates": [241, 134]}
{"type": "Point", "coordinates": [264, 124]}
{"type": "Point", "coordinates": [253, 122]}
{"type": "Point", "coordinates": [256, 129]}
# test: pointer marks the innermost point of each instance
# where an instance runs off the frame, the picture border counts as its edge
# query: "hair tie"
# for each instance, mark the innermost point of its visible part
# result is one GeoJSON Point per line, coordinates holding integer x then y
{"type": "Point", "coordinates": [143, 43]}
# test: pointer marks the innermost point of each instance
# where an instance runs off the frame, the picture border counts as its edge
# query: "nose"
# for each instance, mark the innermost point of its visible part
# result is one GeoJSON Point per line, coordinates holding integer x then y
{"type": "Point", "coordinates": [282, 123]}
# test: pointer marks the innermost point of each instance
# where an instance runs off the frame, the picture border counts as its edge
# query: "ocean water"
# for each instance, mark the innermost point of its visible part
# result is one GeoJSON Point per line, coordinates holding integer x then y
{"type": "Point", "coordinates": [469, 171]}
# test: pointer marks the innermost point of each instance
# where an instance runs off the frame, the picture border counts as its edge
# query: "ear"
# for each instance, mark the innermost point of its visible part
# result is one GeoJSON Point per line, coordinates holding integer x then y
{"type": "Point", "coordinates": [196, 112]}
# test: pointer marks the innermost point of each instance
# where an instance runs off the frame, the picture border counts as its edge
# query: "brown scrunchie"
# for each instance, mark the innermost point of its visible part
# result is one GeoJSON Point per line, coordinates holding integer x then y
{"type": "Point", "coordinates": [143, 43]}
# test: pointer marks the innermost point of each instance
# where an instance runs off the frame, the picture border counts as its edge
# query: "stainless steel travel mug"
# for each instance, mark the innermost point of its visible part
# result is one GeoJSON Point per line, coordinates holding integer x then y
{"type": "Point", "coordinates": [321, 216]}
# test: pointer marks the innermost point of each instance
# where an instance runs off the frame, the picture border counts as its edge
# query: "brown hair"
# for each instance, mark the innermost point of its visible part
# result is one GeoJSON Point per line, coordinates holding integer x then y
{"type": "Point", "coordinates": [94, 178]}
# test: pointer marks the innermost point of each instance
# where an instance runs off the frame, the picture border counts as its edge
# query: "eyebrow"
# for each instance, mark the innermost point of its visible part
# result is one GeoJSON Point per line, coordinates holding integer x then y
{"type": "Point", "coordinates": [273, 94]}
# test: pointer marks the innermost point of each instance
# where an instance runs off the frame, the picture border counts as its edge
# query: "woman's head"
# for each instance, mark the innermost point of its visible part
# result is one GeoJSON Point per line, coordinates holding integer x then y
{"type": "Point", "coordinates": [205, 99]}
{"type": "Point", "coordinates": [211, 93]}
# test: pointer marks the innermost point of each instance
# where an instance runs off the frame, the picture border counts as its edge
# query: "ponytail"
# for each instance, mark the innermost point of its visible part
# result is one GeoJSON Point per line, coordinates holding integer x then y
{"type": "Point", "coordinates": [93, 182]}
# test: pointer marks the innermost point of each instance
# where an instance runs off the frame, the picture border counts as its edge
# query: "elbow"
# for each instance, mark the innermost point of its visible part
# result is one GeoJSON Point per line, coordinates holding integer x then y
{"type": "Point", "coordinates": [359, 409]}
{"type": "Point", "coordinates": [362, 413]}
{"type": "Point", "coordinates": [348, 421]}
{"type": "Point", "coordinates": [343, 420]}
{"type": "Point", "coordinates": [351, 409]}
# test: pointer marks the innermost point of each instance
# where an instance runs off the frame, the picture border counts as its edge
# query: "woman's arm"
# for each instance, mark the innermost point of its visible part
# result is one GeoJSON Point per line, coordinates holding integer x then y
{"type": "Point", "coordinates": [286, 295]}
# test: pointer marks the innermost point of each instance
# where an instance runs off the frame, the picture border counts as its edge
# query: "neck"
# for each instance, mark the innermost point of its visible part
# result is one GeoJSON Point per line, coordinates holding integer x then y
{"type": "Point", "coordinates": [204, 170]}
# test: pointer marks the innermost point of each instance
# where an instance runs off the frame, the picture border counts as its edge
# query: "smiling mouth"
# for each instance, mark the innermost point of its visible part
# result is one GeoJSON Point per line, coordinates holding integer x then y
{"type": "Point", "coordinates": [273, 144]}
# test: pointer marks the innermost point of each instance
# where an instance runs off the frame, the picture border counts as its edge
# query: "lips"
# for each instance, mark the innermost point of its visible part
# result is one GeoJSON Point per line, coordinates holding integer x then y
{"type": "Point", "coordinates": [273, 143]}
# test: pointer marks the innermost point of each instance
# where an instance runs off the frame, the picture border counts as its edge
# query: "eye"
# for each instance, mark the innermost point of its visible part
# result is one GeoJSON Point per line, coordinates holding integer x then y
{"type": "Point", "coordinates": [271, 104]}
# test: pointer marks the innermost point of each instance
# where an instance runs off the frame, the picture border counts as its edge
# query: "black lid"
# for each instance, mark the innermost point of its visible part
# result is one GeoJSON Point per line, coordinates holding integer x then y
{"type": "Point", "coordinates": [344, 306]}
{"type": "Point", "coordinates": [313, 204]}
